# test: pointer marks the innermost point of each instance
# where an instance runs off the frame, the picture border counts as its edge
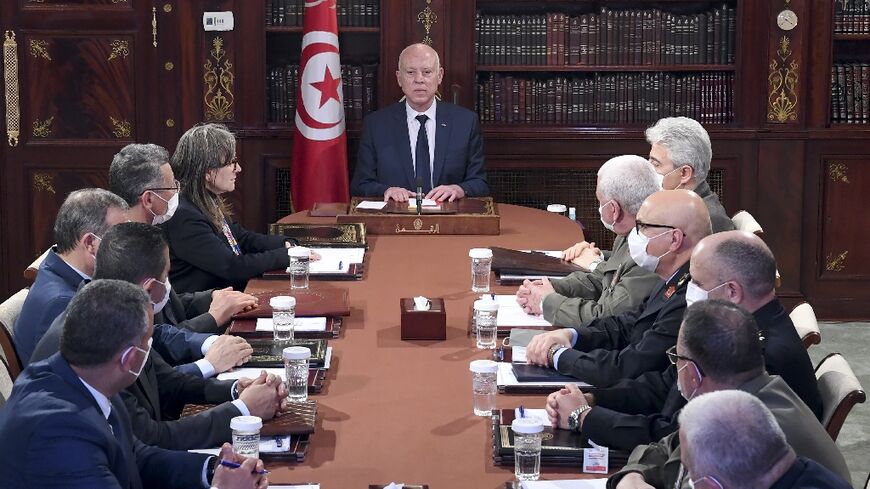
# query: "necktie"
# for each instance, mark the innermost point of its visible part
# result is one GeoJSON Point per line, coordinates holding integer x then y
{"type": "Point", "coordinates": [422, 154]}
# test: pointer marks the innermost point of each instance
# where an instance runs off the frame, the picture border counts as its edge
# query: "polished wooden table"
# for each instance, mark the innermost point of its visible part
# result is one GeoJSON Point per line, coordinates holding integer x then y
{"type": "Point", "coordinates": [400, 411]}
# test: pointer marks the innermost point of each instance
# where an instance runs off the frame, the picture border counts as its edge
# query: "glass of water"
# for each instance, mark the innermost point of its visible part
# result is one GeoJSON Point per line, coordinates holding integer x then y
{"type": "Point", "coordinates": [246, 435]}
{"type": "Point", "coordinates": [485, 320]}
{"type": "Point", "coordinates": [283, 317]}
{"type": "Point", "coordinates": [300, 258]}
{"type": "Point", "coordinates": [481, 263]}
{"type": "Point", "coordinates": [296, 370]}
{"type": "Point", "coordinates": [527, 448]}
{"type": "Point", "coordinates": [557, 209]}
{"type": "Point", "coordinates": [484, 386]}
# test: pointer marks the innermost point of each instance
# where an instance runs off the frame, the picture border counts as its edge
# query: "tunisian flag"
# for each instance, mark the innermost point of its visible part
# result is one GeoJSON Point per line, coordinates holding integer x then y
{"type": "Point", "coordinates": [319, 167]}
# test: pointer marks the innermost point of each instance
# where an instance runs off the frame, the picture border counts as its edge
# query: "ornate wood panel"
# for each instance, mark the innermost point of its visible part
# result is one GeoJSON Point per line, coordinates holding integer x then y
{"type": "Point", "coordinates": [843, 254]}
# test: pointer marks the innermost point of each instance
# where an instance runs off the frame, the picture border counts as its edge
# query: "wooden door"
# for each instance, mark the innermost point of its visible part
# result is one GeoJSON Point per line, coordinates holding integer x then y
{"type": "Point", "coordinates": [80, 80]}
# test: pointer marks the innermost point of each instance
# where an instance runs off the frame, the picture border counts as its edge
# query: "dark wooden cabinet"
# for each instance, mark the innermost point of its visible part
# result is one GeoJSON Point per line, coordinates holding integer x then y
{"type": "Point", "coordinates": [94, 75]}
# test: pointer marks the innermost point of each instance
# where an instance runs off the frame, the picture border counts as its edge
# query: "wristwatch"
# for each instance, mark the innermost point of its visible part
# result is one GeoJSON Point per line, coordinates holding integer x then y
{"type": "Point", "coordinates": [574, 417]}
{"type": "Point", "coordinates": [551, 354]}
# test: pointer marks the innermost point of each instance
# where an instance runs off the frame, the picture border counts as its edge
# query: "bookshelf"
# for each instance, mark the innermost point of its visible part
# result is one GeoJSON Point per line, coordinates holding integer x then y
{"type": "Point", "coordinates": [850, 71]}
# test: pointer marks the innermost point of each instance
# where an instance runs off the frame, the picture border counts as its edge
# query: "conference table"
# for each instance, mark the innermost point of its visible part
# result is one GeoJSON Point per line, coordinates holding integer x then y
{"type": "Point", "coordinates": [400, 411]}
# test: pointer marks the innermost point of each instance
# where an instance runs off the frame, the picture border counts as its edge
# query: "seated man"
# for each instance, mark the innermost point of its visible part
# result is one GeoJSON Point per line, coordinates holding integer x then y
{"type": "Point", "coordinates": [737, 267]}
{"type": "Point", "coordinates": [83, 218]}
{"type": "Point", "coordinates": [142, 176]}
{"type": "Point", "coordinates": [713, 424]}
{"type": "Point", "coordinates": [158, 396]}
{"type": "Point", "coordinates": [65, 426]}
{"type": "Point", "coordinates": [668, 226]}
{"type": "Point", "coordinates": [435, 142]}
{"type": "Point", "coordinates": [681, 155]}
{"type": "Point", "coordinates": [617, 284]}
{"type": "Point", "coordinates": [707, 366]}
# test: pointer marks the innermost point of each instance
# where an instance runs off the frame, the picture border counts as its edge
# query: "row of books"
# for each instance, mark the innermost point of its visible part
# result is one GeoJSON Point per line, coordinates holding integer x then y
{"type": "Point", "coordinates": [850, 93]}
{"type": "Point", "coordinates": [351, 13]}
{"type": "Point", "coordinates": [607, 98]}
{"type": "Point", "coordinates": [608, 37]}
{"type": "Point", "coordinates": [852, 16]}
{"type": "Point", "coordinates": [358, 83]}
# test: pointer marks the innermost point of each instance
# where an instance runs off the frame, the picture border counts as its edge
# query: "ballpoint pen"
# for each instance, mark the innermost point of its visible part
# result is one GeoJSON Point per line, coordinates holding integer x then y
{"type": "Point", "coordinates": [340, 264]}
{"type": "Point", "coordinates": [522, 411]}
{"type": "Point", "coordinates": [234, 465]}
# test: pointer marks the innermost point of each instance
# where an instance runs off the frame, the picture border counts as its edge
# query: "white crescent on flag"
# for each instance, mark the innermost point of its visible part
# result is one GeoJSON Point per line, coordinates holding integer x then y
{"type": "Point", "coordinates": [320, 111]}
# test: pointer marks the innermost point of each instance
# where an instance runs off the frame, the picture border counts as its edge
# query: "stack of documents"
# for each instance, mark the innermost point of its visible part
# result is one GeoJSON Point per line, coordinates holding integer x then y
{"type": "Point", "coordinates": [511, 314]}
{"type": "Point", "coordinates": [335, 260]}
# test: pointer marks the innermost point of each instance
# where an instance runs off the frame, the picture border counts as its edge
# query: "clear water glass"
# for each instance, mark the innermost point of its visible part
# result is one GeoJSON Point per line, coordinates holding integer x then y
{"type": "Point", "coordinates": [296, 371]}
{"type": "Point", "coordinates": [527, 456]}
{"type": "Point", "coordinates": [283, 318]}
{"type": "Point", "coordinates": [246, 435]}
{"type": "Point", "coordinates": [481, 265]}
{"type": "Point", "coordinates": [299, 272]}
{"type": "Point", "coordinates": [484, 386]}
{"type": "Point", "coordinates": [486, 323]}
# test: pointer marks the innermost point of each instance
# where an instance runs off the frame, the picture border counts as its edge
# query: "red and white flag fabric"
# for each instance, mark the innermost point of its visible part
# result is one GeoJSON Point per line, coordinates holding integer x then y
{"type": "Point", "coordinates": [319, 165]}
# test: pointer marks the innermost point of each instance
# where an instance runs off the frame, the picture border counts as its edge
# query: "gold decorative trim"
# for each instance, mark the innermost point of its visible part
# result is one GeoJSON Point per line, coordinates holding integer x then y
{"type": "Point", "coordinates": [10, 76]}
{"type": "Point", "coordinates": [167, 7]}
{"type": "Point", "coordinates": [837, 172]}
{"type": "Point", "coordinates": [120, 49]}
{"type": "Point", "coordinates": [170, 122]}
{"type": "Point", "coordinates": [120, 128]}
{"type": "Point", "coordinates": [39, 49]}
{"type": "Point", "coordinates": [418, 228]}
{"type": "Point", "coordinates": [42, 129]}
{"type": "Point", "coordinates": [782, 80]}
{"type": "Point", "coordinates": [168, 66]}
{"type": "Point", "coordinates": [219, 80]}
{"type": "Point", "coordinates": [43, 182]}
{"type": "Point", "coordinates": [507, 440]}
{"type": "Point", "coordinates": [836, 263]}
{"type": "Point", "coordinates": [154, 26]}
{"type": "Point", "coordinates": [119, 1]}
{"type": "Point", "coordinates": [428, 18]}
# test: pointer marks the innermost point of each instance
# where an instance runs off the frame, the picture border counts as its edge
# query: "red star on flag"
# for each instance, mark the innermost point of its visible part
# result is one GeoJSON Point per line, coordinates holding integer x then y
{"type": "Point", "coordinates": [328, 87]}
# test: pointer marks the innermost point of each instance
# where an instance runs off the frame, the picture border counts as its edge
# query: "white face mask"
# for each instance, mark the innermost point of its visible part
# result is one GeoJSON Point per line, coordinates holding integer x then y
{"type": "Point", "coordinates": [680, 386]}
{"type": "Point", "coordinates": [144, 357]}
{"type": "Point", "coordinates": [160, 305]}
{"type": "Point", "coordinates": [171, 206]}
{"type": "Point", "coordinates": [637, 244]}
{"type": "Point", "coordinates": [601, 215]}
{"type": "Point", "coordinates": [695, 293]}
{"type": "Point", "coordinates": [660, 179]}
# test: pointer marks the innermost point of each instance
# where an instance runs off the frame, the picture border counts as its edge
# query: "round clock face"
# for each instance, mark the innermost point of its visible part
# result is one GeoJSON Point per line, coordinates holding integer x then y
{"type": "Point", "coordinates": [787, 20]}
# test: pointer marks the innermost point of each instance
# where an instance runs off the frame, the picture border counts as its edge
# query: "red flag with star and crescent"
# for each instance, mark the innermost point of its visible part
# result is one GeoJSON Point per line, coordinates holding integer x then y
{"type": "Point", "coordinates": [319, 166]}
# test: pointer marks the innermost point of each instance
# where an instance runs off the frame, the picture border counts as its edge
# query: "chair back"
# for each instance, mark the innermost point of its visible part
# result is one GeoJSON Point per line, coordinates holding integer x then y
{"type": "Point", "coordinates": [744, 221]}
{"type": "Point", "coordinates": [32, 269]}
{"type": "Point", "coordinates": [10, 309]}
{"type": "Point", "coordinates": [804, 319]}
{"type": "Point", "coordinates": [840, 391]}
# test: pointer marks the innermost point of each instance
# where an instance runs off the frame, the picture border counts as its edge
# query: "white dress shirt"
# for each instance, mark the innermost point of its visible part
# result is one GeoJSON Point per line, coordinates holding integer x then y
{"type": "Point", "coordinates": [414, 128]}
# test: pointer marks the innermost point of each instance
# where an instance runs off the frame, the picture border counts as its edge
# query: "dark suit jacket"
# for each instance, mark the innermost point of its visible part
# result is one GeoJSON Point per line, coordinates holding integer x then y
{"type": "Point", "coordinates": [55, 285]}
{"type": "Point", "coordinates": [613, 348]}
{"type": "Point", "coordinates": [180, 345]}
{"type": "Point", "coordinates": [189, 311]}
{"type": "Point", "coordinates": [643, 410]}
{"type": "Point", "coordinates": [157, 397]}
{"type": "Point", "coordinates": [55, 435]}
{"type": "Point", "coordinates": [718, 217]}
{"type": "Point", "coordinates": [384, 157]}
{"type": "Point", "coordinates": [202, 257]}
{"type": "Point", "coordinates": [806, 473]}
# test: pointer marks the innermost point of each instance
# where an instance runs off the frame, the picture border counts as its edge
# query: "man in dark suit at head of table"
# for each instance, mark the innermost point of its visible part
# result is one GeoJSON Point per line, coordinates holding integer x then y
{"type": "Point", "coordinates": [422, 139]}
{"type": "Point", "coordinates": [680, 153]}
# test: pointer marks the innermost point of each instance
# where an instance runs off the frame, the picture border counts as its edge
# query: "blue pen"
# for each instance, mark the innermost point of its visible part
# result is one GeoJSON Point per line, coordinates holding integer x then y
{"type": "Point", "coordinates": [340, 265]}
{"type": "Point", "coordinates": [234, 465]}
{"type": "Point", "coordinates": [522, 412]}
{"type": "Point", "coordinates": [493, 296]}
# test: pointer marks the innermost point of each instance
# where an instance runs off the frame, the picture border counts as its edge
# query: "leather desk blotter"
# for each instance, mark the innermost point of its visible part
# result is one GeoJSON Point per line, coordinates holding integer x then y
{"type": "Point", "coordinates": [247, 328]}
{"type": "Point", "coordinates": [328, 209]}
{"type": "Point", "coordinates": [297, 419]}
{"type": "Point", "coordinates": [513, 262]}
{"type": "Point", "coordinates": [348, 234]}
{"type": "Point", "coordinates": [471, 215]}
{"type": "Point", "coordinates": [354, 272]}
{"type": "Point", "coordinates": [268, 353]}
{"type": "Point", "coordinates": [534, 373]}
{"type": "Point", "coordinates": [309, 303]}
{"type": "Point", "coordinates": [559, 448]}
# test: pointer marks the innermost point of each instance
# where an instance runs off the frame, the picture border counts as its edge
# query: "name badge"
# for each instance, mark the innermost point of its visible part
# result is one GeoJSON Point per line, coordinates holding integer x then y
{"type": "Point", "coordinates": [595, 459]}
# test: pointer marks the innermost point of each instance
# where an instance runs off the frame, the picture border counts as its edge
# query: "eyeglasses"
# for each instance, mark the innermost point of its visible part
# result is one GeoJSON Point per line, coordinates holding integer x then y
{"type": "Point", "coordinates": [640, 226]}
{"type": "Point", "coordinates": [673, 357]}
{"type": "Point", "coordinates": [176, 188]}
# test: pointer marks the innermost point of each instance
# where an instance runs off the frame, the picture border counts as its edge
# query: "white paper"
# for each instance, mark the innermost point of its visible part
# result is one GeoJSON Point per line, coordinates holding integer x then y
{"type": "Point", "coordinates": [566, 484]}
{"type": "Point", "coordinates": [371, 204]}
{"type": "Point", "coordinates": [252, 372]}
{"type": "Point", "coordinates": [535, 413]}
{"type": "Point", "coordinates": [294, 486]}
{"type": "Point", "coordinates": [394, 485]}
{"type": "Point", "coordinates": [507, 276]}
{"type": "Point", "coordinates": [510, 313]}
{"type": "Point", "coordinates": [299, 324]}
{"type": "Point", "coordinates": [505, 378]}
{"type": "Point", "coordinates": [426, 203]}
{"type": "Point", "coordinates": [335, 260]}
{"type": "Point", "coordinates": [550, 253]}
{"type": "Point", "coordinates": [518, 354]}
{"type": "Point", "coordinates": [267, 445]}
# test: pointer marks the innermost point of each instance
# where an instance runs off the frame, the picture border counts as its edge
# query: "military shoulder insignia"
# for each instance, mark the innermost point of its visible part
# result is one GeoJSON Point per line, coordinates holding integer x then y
{"type": "Point", "coordinates": [670, 291]}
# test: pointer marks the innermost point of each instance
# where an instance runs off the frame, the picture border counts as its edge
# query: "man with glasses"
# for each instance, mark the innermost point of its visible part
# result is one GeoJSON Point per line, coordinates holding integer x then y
{"type": "Point", "coordinates": [668, 226]}
{"type": "Point", "coordinates": [421, 141]}
{"type": "Point", "coordinates": [83, 219]}
{"type": "Point", "coordinates": [718, 349]}
{"type": "Point", "coordinates": [713, 424]}
{"type": "Point", "coordinates": [735, 266]}
{"type": "Point", "coordinates": [141, 175]}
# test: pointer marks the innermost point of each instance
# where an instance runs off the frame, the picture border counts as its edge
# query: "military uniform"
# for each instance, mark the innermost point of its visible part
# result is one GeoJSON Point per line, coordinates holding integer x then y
{"type": "Point", "coordinates": [613, 348]}
{"type": "Point", "coordinates": [615, 286]}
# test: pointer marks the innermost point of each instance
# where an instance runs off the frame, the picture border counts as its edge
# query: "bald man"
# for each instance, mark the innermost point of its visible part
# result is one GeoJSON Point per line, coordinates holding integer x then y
{"type": "Point", "coordinates": [421, 139]}
{"type": "Point", "coordinates": [668, 226]}
{"type": "Point", "coordinates": [734, 266]}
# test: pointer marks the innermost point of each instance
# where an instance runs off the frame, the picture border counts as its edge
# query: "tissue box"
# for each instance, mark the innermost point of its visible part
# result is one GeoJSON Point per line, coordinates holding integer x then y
{"type": "Point", "coordinates": [423, 325]}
